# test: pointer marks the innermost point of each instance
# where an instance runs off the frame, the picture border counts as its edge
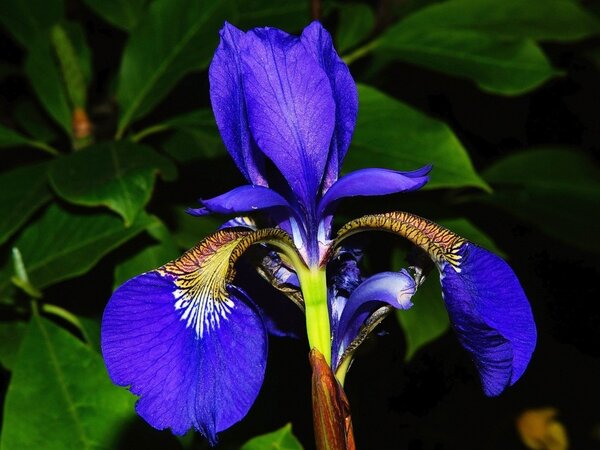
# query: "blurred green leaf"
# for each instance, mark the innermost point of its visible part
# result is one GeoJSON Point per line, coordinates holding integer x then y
{"type": "Point", "coordinates": [60, 396]}
{"type": "Point", "coordinates": [123, 14]}
{"type": "Point", "coordinates": [466, 229]}
{"type": "Point", "coordinates": [184, 147]}
{"type": "Point", "coordinates": [497, 65]}
{"type": "Point", "coordinates": [44, 73]}
{"type": "Point", "coordinates": [393, 135]}
{"type": "Point", "coordinates": [289, 15]}
{"type": "Point", "coordinates": [118, 175]}
{"type": "Point", "coordinates": [540, 20]}
{"type": "Point", "coordinates": [90, 328]}
{"type": "Point", "coordinates": [31, 119]}
{"type": "Point", "coordinates": [356, 22]}
{"type": "Point", "coordinates": [22, 192]}
{"type": "Point", "coordinates": [10, 138]}
{"type": "Point", "coordinates": [45, 77]}
{"type": "Point", "coordinates": [196, 136]}
{"type": "Point", "coordinates": [427, 320]}
{"type": "Point", "coordinates": [189, 230]}
{"type": "Point", "coordinates": [556, 190]}
{"type": "Point", "coordinates": [150, 257]}
{"type": "Point", "coordinates": [172, 39]}
{"type": "Point", "coordinates": [63, 244]}
{"type": "Point", "coordinates": [11, 336]}
{"type": "Point", "coordinates": [489, 42]}
{"type": "Point", "coordinates": [27, 19]}
{"type": "Point", "coordinates": [282, 439]}
{"type": "Point", "coordinates": [70, 67]}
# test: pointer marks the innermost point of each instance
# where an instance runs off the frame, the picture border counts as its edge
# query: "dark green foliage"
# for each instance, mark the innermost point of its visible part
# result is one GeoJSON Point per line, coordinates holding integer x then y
{"type": "Point", "coordinates": [87, 204]}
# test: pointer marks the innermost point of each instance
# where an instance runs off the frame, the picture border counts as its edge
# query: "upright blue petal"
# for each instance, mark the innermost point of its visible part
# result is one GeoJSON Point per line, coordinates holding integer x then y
{"type": "Point", "coordinates": [188, 372]}
{"type": "Point", "coordinates": [229, 106]}
{"type": "Point", "coordinates": [290, 108]}
{"type": "Point", "coordinates": [319, 44]}
{"type": "Point", "coordinates": [393, 288]}
{"type": "Point", "coordinates": [490, 314]}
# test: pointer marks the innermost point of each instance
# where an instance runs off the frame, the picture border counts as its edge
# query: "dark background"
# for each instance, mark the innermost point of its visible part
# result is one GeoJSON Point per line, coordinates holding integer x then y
{"type": "Point", "coordinates": [434, 401]}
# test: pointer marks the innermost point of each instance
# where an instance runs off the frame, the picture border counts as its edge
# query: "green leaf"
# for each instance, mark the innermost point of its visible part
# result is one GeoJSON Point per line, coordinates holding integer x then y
{"type": "Point", "coordinates": [22, 192]}
{"type": "Point", "coordinates": [60, 396]}
{"type": "Point", "coordinates": [540, 20]}
{"type": "Point", "coordinates": [356, 22]}
{"type": "Point", "coordinates": [196, 136]}
{"type": "Point", "coordinates": [282, 439]}
{"type": "Point", "coordinates": [427, 320]}
{"type": "Point", "coordinates": [289, 15]}
{"type": "Point", "coordinates": [189, 230]}
{"type": "Point", "coordinates": [10, 138]}
{"type": "Point", "coordinates": [466, 229]}
{"type": "Point", "coordinates": [123, 14]}
{"type": "Point", "coordinates": [498, 65]}
{"type": "Point", "coordinates": [489, 42]}
{"type": "Point", "coordinates": [27, 19]}
{"type": "Point", "coordinates": [118, 175]}
{"type": "Point", "coordinates": [391, 134]}
{"type": "Point", "coordinates": [557, 190]}
{"type": "Point", "coordinates": [32, 120]}
{"type": "Point", "coordinates": [184, 147]}
{"type": "Point", "coordinates": [90, 328]}
{"type": "Point", "coordinates": [64, 244]}
{"type": "Point", "coordinates": [173, 38]}
{"type": "Point", "coordinates": [11, 336]}
{"type": "Point", "coordinates": [44, 73]}
{"type": "Point", "coordinates": [150, 257]}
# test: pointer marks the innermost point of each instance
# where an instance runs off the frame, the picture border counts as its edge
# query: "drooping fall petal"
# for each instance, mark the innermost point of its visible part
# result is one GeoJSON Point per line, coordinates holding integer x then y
{"type": "Point", "coordinates": [486, 304]}
{"type": "Point", "coordinates": [188, 342]}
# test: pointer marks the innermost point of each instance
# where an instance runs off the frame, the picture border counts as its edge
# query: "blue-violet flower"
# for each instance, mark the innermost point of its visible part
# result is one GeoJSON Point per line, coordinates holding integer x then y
{"type": "Point", "coordinates": [188, 340]}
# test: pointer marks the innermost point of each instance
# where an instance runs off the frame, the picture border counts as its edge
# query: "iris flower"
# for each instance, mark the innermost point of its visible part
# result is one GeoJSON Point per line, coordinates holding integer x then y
{"type": "Point", "coordinates": [191, 343]}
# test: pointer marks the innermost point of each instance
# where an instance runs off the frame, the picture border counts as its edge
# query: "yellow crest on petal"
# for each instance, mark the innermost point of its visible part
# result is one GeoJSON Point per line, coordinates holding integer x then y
{"type": "Point", "coordinates": [202, 274]}
{"type": "Point", "coordinates": [441, 244]}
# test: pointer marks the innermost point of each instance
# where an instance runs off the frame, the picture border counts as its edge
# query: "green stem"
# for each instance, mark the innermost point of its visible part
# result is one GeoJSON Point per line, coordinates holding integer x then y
{"type": "Point", "coordinates": [149, 131]}
{"type": "Point", "coordinates": [313, 283]}
{"type": "Point", "coordinates": [55, 310]}
{"type": "Point", "coordinates": [361, 51]}
{"type": "Point", "coordinates": [44, 147]}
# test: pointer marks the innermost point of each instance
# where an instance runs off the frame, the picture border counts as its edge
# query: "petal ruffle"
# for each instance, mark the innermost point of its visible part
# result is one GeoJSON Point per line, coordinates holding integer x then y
{"type": "Point", "coordinates": [491, 315]}
{"type": "Point", "coordinates": [242, 199]}
{"type": "Point", "coordinates": [229, 106]}
{"type": "Point", "coordinates": [393, 288]}
{"type": "Point", "coordinates": [185, 379]}
{"type": "Point", "coordinates": [290, 107]}
{"type": "Point", "coordinates": [319, 44]}
{"type": "Point", "coordinates": [373, 182]}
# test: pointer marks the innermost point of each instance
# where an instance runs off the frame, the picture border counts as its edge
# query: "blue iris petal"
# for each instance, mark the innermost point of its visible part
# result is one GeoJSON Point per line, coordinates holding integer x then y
{"type": "Point", "coordinates": [319, 44]}
{"type": "Point", "coordinates": [373, 182]}
{"type": "Point", "coordinates": [290, 106]}
{"type": "Point", "coordinates": [229, 106]}
{"type": "Point", "coordinates": [242, 199]}
{"type": "Point", "coordinates": [184, 380]}
{"type": "Point", "coordinates": [491, 316]}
